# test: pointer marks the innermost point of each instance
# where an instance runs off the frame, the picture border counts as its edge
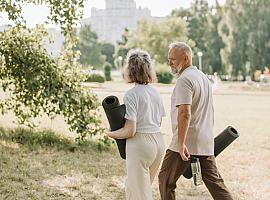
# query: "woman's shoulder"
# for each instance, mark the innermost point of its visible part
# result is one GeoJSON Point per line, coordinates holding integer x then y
{"type": "Point", "coordinates": [140, 90]}
{"type": "Point", "coordinates": [153, 87]}
{"type": "Point", "coordinates": [130, 93]}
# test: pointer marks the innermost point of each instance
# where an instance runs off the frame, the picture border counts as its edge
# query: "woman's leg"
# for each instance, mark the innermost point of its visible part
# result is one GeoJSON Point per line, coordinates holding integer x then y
{"type": "Point", "coordinates": [139, 156]}
{"type": "Point", "coordinates": [160, 146]}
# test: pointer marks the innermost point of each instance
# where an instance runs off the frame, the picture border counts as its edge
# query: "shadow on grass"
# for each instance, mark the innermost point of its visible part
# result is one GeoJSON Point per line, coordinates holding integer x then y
{"type": "Point", "coordinates": [33, 140]}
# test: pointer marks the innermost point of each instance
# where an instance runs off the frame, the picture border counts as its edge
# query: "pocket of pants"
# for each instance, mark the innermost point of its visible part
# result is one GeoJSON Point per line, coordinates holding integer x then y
{"type": "Point", "coordinates": [168, 159]}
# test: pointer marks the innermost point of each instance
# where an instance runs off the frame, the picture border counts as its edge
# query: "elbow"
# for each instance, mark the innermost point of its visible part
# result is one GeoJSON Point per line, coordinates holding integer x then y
{"type": "Point", "coordinates": [184, 116]}
{"type": "Point", "coordinates": [130, 128]}
{"type": "Point", "coordinates": [131, 132]}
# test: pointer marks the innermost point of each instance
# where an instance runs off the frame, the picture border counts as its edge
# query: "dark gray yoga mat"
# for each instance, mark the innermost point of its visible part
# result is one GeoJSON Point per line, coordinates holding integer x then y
{"type": "Point", "coordinates": [221, 142]}
{"type": "Point", "coordinates": [116, 116]}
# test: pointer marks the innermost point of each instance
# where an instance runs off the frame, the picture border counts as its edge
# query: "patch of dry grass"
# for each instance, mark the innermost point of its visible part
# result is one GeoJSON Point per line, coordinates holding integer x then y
{"type": "Point", "coordinates": [53, 173]}
{"type": "Point", "coordinates": [90, 174]}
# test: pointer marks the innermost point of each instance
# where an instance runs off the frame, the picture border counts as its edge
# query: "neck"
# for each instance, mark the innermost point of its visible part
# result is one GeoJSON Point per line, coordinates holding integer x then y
{"type": "Point", "coordinates": [184, 67]}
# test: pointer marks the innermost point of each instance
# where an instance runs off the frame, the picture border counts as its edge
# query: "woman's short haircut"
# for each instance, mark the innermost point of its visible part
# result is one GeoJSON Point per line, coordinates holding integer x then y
{"type": "Point", "coordinates": [139, 67]}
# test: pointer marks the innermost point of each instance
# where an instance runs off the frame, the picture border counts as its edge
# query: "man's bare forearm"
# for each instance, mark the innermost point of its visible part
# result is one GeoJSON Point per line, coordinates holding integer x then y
{"type": "Point", "coordinates": [183, 124]}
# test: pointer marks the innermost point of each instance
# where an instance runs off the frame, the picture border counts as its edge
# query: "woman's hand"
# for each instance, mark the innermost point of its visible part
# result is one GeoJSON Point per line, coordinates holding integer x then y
{"type": "Point", "coordinates": [110, 134]}
{"type": "Point", "coordinates": [127, 131]}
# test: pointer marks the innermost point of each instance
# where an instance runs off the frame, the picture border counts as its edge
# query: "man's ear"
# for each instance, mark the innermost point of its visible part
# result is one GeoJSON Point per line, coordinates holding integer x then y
{"type": "Point", "coordinates": [186, 58]}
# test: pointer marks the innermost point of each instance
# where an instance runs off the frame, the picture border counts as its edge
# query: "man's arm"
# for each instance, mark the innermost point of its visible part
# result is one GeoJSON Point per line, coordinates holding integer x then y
{"type": "Point", "coordinates": [183, 120]}
{"type": "Point", "coordinates": [126, 132]}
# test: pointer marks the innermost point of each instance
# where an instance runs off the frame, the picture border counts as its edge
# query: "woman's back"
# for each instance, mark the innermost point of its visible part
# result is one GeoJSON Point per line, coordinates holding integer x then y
{"type": "Point", "coordinates": [144, 105]}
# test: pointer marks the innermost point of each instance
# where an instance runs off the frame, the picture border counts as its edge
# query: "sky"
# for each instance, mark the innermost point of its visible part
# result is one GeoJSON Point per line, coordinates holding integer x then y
{"type": "Point", "coordinates": [38, 14]}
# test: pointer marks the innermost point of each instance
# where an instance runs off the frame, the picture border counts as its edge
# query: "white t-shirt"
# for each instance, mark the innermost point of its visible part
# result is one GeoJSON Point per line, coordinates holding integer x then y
{"type": "Point", "coordinates": [194, 88]}
{"type": "Point", "coordinates": [144, 105]}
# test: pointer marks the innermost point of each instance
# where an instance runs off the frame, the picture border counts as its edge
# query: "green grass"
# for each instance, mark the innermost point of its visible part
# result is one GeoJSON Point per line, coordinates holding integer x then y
{"type": "Point", "coordinates": [48, 139]}
{"type": "Point", "coordinates": [34, 139]}
{"type": "Point", "coordinates": [44, 165]}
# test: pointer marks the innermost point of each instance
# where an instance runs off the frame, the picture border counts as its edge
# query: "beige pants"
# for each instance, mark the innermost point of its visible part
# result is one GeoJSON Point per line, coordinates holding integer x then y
{"type": "Point", "coordinates": [144, 153]}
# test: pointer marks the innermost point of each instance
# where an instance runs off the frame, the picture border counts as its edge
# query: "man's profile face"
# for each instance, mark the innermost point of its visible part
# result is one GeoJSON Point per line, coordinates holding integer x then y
{"type": "Point", "coordinates": [175, 60]}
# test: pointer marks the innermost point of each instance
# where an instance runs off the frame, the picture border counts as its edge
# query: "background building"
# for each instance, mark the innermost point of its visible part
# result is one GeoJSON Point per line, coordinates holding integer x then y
{"type": "Point", "coordinates": [109, 23]}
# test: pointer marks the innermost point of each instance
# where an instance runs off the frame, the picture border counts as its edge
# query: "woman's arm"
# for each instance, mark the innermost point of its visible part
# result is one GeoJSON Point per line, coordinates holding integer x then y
{"type": "Point", "coordinates": [127, 131]}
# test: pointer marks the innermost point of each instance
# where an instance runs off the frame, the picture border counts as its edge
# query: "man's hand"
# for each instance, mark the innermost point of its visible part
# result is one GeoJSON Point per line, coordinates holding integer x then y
{"type": "Point", "coordinates": [184, 152]}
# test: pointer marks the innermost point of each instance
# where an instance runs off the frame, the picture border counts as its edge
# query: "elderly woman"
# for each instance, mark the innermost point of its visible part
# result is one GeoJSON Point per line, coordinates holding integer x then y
{"type": "Point", "coordinates": [144, 111]}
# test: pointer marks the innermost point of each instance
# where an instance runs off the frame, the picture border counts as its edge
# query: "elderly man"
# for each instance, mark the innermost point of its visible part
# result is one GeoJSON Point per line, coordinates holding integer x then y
{"type": "Point", "coordinates": [192, 118]}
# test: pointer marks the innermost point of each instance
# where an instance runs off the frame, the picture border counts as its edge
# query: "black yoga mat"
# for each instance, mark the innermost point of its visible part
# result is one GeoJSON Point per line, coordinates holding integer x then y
{"type": "Point", "coordinates": [221, 142]}
{"type": "Point", "coordinates": [116, 116]}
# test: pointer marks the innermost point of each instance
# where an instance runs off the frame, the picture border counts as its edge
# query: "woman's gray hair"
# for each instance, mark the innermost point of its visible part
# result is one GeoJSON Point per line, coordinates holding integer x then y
{"type": "Point", "coordinates": [182, 46]}
{"type": "Point", "coordinates": [139, 67]}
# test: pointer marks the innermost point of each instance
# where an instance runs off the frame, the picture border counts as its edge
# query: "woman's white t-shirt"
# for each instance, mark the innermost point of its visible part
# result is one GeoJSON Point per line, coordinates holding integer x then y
{"type": "Point", "coordinates": [144, 105]}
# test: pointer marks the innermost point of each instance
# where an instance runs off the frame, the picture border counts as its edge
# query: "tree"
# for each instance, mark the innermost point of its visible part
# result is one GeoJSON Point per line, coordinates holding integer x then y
{"type": "Point", "coordinates": [90, 48]}
{"type": "Point", "coordinates": [34, 82]}
{"type": "Point", "coordinates": [121, 49]}
{"type": "Point", "coordinates": [245, 31]}
{"type": "Point", "coordinates": [108, 50]}
{"type": "Point", "coordinates": [214, 42]}
{"type": "Point", "coordinates": [202, 22]}
{"type": "Point", "coordinates": [155, 37]}
{"type": "Point", "coordinates": [107, 71]}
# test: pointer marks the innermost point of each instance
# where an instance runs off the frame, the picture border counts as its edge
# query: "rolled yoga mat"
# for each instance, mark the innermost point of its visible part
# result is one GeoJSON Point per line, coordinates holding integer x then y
{"type": "Point", "coordinates": [221, 142]}
{"type": "Point", "coordinates": [116, 116]}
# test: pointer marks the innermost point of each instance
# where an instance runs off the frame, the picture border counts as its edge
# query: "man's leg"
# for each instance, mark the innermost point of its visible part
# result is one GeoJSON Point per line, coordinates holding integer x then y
{"type": "Point", "coordinates": [213, 180]}
{"type": "Point", "coordinates": [172, 168]}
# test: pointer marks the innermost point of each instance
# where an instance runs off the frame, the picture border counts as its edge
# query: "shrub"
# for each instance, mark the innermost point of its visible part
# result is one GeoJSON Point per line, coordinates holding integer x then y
{"type": "Point", "coordinates": [34, 139]}
{"type": "Point", "coordinates": [107, 71]}
{"type": "Point", "coordinates": [164, 74]}
{"type": "Point", "coordinates": [95, 78]}
{"type": "Point", "coordinates": [35, 83]}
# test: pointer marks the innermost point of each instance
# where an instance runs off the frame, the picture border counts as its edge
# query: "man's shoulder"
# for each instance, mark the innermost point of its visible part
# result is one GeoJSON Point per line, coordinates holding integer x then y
{"type": "Point", "coordinates": [184, 79]}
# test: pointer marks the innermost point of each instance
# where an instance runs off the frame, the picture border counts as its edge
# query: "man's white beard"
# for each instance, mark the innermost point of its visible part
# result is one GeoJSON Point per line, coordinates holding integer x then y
{"type": "Point", "coordinates": [176, 70]}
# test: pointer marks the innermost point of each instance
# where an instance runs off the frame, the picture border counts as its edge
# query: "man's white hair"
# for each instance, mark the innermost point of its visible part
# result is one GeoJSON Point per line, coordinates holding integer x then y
{"type": "Point", "coordinates": [181, 46]}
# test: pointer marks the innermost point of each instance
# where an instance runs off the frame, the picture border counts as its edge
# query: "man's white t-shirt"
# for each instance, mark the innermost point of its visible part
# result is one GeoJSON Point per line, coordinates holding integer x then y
{"type": "Point", "coordinates": [144, 105]}
{"type": "Point", "coordinates": [194, 88]}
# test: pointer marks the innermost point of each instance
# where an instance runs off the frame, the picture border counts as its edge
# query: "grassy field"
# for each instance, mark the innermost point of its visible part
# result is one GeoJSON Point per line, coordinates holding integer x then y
{"type": "Point", "coordinates": [54, 168]}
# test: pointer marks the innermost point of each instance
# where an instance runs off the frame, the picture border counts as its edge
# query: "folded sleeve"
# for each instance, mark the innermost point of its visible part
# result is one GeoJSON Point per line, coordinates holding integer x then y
{"type": "Point", "coordinates": [183, 92]}
{"type": "Point", "coordinates": [162, 111]}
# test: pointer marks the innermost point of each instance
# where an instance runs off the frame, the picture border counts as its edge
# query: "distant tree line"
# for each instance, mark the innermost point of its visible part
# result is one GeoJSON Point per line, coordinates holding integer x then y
{"type": "Point", "coordinates": [234, 38]}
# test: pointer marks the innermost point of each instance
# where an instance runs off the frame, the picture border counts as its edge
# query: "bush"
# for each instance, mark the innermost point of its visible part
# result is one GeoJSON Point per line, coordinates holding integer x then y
{"type": "Point", "coordinates": [95, 78]}
{"type": "Point", "coordinates": [164, 74]}
{"type": "Point", "coordinates": [107, 71]}
{"type": "Point", "coordinates": [34, 139]}
{"type": "Point", "coordinates": [35, 83]}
